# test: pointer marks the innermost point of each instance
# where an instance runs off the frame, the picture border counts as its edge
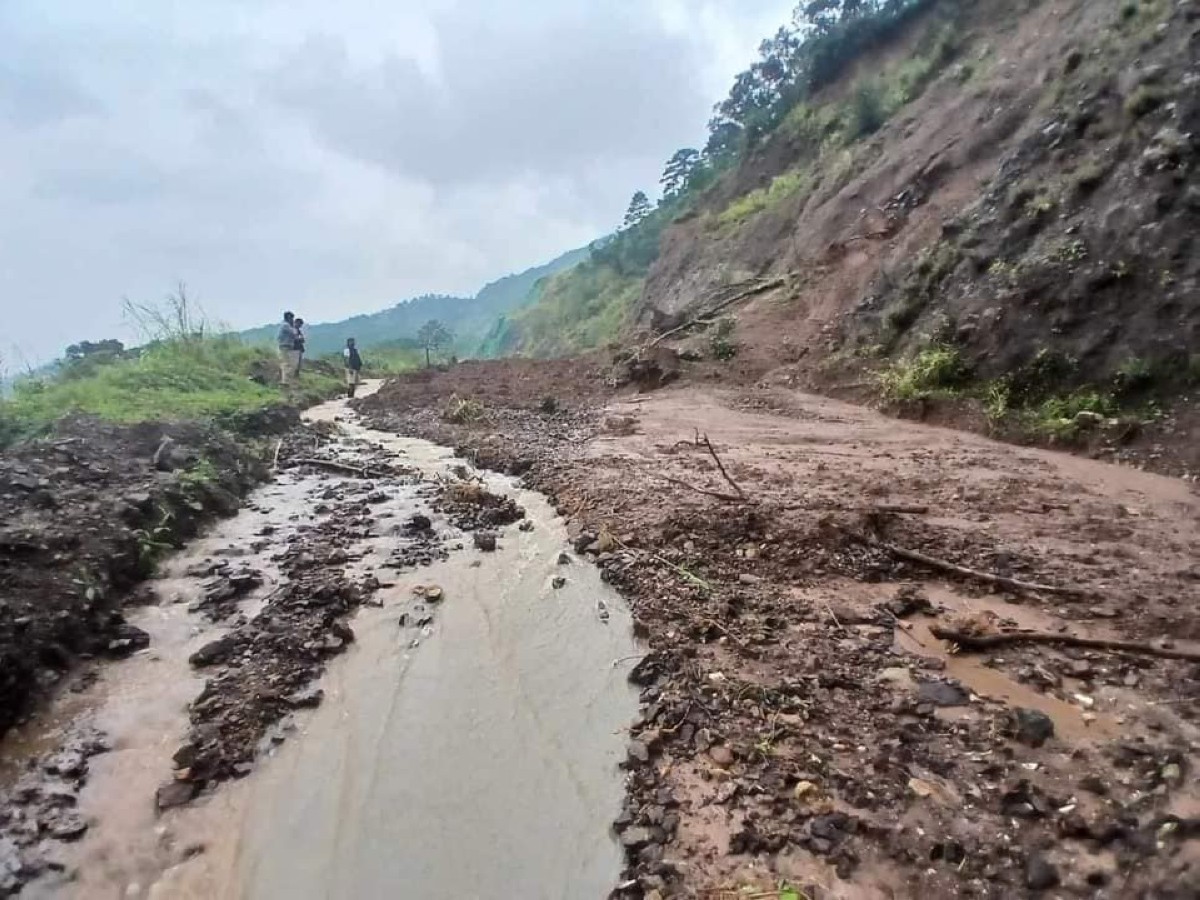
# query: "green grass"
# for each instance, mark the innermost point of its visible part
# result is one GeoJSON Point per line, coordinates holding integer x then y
{"type": "Point", "coordinates": [173, 379]}
{"type": "Point", "coordinates": [935, 371]}
{"type": "Point", "coordinates": [791, 183]}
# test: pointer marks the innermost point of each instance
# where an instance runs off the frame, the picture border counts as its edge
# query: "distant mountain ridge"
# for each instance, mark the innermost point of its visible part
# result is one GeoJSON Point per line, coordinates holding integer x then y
{"type": "Point", "coordinates": [470, 318]}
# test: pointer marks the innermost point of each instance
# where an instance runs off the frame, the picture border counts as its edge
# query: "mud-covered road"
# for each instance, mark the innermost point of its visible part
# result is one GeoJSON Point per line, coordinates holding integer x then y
{"type": "Point", "coordinates": [390, 675]}
{"type": "Point", "coordinates": [803, 727]}
{"type": "Point", "coordinates": [472, 732]}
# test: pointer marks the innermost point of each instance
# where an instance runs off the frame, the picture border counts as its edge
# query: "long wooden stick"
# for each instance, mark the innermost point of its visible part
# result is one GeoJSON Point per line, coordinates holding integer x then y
{"type": "Point", "coordinates": [1013, 584]}
{"type": "Point", "coordinates": [360, 471]}
{"type": "Point", "coordinates": [719, 495]}
{"type": "Point", "coordinates": [720, 465]}
{"type": "Point", "coordinates": [275, 459]}
{"type": "Point", "coordinates": [990, 641]}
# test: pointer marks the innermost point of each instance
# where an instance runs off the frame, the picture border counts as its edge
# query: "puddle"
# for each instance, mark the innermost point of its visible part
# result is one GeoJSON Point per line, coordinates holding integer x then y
{"type": "Point", "coordinates": [914, 637]}
{"type": "Point", "coordinates": [475, 756]}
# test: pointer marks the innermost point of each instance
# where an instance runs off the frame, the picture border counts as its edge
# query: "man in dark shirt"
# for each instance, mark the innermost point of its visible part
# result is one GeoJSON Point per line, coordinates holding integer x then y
{"type": "Point", "coordinates": [353, 363]}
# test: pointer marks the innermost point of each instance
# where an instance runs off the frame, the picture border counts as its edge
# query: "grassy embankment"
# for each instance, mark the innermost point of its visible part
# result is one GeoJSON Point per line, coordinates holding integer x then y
{"type": "Point", "coordinates": [186, 369]}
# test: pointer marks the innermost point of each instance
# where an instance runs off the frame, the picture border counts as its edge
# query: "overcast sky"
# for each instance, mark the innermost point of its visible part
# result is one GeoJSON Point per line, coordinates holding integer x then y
{"type": "Point", "coordinates": [330, 157]}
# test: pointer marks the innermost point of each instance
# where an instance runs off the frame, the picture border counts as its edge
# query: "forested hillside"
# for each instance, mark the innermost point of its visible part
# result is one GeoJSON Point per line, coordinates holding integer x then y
{"type": "Point", "coordinates": [467, 318]}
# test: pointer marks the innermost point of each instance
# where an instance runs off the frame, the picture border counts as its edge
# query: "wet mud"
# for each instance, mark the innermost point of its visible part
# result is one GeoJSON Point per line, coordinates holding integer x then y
{"type": "Point", "coordinates": [346, 690]}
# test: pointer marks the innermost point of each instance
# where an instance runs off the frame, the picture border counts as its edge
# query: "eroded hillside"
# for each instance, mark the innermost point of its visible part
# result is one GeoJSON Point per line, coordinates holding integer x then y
{"type": "Point", "coordinates": [992, 210]}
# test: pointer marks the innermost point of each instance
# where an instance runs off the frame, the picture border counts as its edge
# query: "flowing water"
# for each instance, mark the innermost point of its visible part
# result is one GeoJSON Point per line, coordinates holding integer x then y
{"type": "Point", "coordinates": [476, 756]}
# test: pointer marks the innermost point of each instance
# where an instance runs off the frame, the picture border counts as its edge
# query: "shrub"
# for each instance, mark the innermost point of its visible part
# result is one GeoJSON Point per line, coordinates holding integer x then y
{"type": "Point", "coordinates": [721, 342]}
{"type": "Point", "coordinates": [867, 110]}
{"type": "Point", "coordinates": [935, 370]}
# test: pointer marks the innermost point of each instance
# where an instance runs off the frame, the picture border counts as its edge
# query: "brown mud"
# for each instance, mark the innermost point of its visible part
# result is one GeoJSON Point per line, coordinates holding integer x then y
{"type": "Point", "coordinates": [486, 696]}
{"type": "Point", "coordinates": [801, 726]}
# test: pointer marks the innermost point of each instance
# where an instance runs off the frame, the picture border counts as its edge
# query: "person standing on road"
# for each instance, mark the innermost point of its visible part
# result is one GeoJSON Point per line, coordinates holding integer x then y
{"type": "Point", "coordinates": [299, 325]}
{"type": "Point", "coordinates": [353, 362]}
{"type": "Point", "coordinates": [289, 358]}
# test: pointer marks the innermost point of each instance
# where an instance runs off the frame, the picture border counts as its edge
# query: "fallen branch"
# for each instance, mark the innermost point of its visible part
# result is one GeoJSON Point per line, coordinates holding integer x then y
{"type": "Point", "coordinates": [359, 471]}
{"type": "Point", "coordinates": [759, 288]}
{"type": "Point", "coordinates": [933, 562]}
{"type": "Point", "coordinates": [679, 482]}
{"type": "Point", "coordinates": [720, 465]}
{"type": "Point", "coordinates": [977, 642]}
{"type": "Point", "coordinates": [275, 458]}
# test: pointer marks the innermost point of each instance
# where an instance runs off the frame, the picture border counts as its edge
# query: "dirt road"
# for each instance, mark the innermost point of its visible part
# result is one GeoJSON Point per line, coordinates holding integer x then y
{"type": "Point", "coordinates": [801, 723]}
{"type": "Point", "coordinates": [802, 731]}
{"type": "Point", "coordinates": [473, 732]}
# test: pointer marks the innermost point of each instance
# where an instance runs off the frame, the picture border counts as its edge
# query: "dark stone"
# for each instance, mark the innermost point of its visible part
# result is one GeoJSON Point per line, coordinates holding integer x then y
{"type": "Point", "coordinates": [943, 693]}
{"type": "Point", "coordinates": [419, 523]}
{"type": "Point", "coordinates": [485, 541]}
{"type": "Point", "coordinates": [175, 793]}
{"type": "Point", "coordinates": [306, 698]}
{"type": "Point", "coordinates": [639, 754]}
{"type": "Point", "coordinates": [558, 582]}
{"type": "Point", "coordinates": [214, 652]}
{"type": "Point", "coordinates": [1040, 873]}
{"type": "Point", "coordinates": [635, 838]}
{"type": "Point", "coordinates": [127, 640]}
{"type": "Point", "coordinates": [1032, 727]}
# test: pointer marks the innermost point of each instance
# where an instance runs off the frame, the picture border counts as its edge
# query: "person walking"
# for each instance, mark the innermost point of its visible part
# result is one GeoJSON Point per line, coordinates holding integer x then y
{"type": "Point", "coordinates": [289, 359]}
{"type": "Point", "coordinates": [299, 325]}
{"type": "Point", "coordinates": [353, 363]}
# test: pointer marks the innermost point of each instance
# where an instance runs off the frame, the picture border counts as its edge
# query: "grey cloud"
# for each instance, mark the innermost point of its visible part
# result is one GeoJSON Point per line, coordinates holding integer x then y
{"type": "Point", "coordinates": [296, 153]}
{"type": "Point", "coordinates": [545, 101]}
{"type": "Point", "coordinates": [34, 96]}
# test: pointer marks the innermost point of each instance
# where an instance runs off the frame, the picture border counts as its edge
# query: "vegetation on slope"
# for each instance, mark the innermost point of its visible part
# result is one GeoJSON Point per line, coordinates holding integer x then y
{"type": "Point", "coordinates": [469, 318]}
{"type": "Point", "coordinates": [590, 304]}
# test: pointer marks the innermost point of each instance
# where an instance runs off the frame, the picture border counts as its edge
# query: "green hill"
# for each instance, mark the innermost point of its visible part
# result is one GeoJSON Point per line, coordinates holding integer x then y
{"type": "Point", "coordinates": [469, 318]}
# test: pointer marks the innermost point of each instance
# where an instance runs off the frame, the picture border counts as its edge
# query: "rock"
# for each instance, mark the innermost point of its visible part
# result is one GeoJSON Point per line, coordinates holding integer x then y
{"type": "Point", "coordinates": [636, 838]}
{"type": "Point", "coordinates": [558, 582]}
{"type": "Point", "coordinates": [1040, 873]}
{"type": "Point", "coordinates": [564, 559]}
{"type": "Point", "coordinates": [485, 541]}
{"type": "Point", "coordinates": [943, 693]}
{"type": "Point", "coordinates": [307, 698]}
{"type": "Point", "coordinates": [128, 640]}
{"type": "Point", "coordinates": [66, 764]}
{"type": "Point", "coordinates": [525, 526]}
{"type": "Point", "coordinates": [1032, 727]}
{"type": "Point", "coordinates": [639, 753]}
{"type": "Point", "coordinates": [214, 652]}
{"type": "Point", "coordinates": [65, 826]}
{"type": "Point", "coordinates": [419, 523]}
{"type": "Point", "coordinates": [804, 789]}
{"type": "Point", "coordinates": [747, 578]}
{"type": "Point", "coordinates": [1079, 668]}
{"type": "Point", "coordinates": [722, 756]}
{"type": "Point", "coordinates": [12, 868]}
{"type": "Point", "coordinates": [897, 675]}
{"type": "Point", "coordinates": [174, 793]}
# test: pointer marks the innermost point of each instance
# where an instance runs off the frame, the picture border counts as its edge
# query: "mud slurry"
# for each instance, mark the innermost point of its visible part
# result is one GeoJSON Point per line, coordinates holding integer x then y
{"type": "Point", "coordinates": [243, 626]}
{"type": "Point", "coordinates": [801, 725]}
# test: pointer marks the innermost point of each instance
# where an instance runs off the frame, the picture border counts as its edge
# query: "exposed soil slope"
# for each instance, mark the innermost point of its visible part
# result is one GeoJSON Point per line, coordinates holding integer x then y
{"type": "Point", "coordinates": [1033, 213]}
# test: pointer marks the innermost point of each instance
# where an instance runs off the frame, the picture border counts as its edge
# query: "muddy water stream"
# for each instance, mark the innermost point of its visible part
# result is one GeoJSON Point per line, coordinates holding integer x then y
{"type": "Point", "coordinates": [475, 755]}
